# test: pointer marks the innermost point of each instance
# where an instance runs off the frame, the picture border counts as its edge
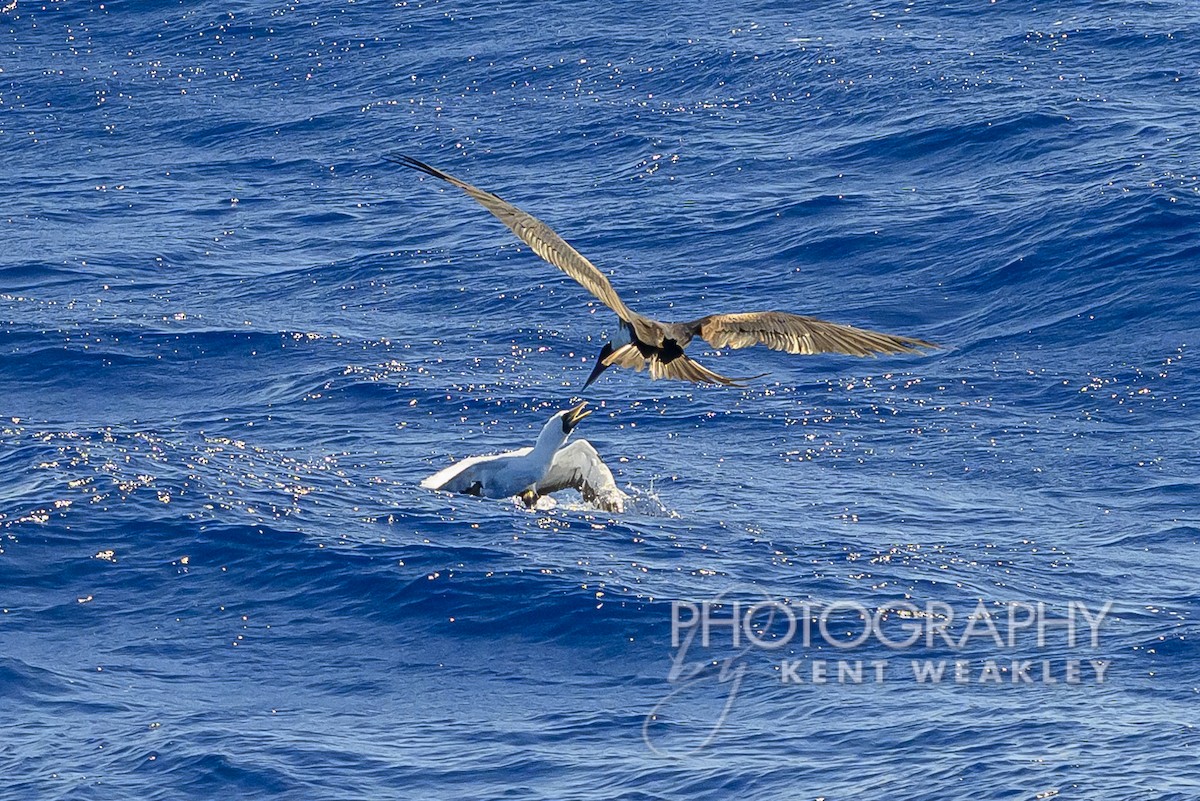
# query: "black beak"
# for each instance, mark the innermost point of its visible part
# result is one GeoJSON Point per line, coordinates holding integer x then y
{"type": "Point", "coordinates": [572, 417]}
{"type": "Point", "coordinates": [600, 367]}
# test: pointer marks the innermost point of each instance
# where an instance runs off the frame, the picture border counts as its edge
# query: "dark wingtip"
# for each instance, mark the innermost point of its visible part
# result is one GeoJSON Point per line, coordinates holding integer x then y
{"type": "Point", "coordinates": [914, 345]}
{"type": "Point", "coordinates": [742, 381]}
{"type": "Point", "coordinates": [414, 164]}
{"type": "Point", "coordinates": [397, 158]}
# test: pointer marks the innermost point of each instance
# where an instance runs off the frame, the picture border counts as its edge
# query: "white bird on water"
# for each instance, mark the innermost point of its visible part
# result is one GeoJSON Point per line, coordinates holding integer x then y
{"type": "Point", "coordinates": [532, 472]}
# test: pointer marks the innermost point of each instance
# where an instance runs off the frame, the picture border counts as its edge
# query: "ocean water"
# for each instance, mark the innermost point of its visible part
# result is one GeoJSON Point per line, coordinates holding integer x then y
{"type": "Point", "coordinates": [233, 340]}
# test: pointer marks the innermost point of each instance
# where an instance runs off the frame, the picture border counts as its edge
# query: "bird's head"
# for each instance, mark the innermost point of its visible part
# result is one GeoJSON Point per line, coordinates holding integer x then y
{"type": "Point", "coordinates": [559, 427]}
{"type": "Point", "coordinates": [571, 417]}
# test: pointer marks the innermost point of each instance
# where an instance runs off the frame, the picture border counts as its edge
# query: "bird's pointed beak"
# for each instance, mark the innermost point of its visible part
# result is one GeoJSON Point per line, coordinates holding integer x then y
{"type": "Point", "coordinates": [601, 366]}
{"type": "Point", "coordinates": [574, 416]}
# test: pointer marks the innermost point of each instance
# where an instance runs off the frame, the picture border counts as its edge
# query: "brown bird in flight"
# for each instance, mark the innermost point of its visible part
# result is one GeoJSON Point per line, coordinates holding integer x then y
{"type": "Point", "coordinates": [650, 343]}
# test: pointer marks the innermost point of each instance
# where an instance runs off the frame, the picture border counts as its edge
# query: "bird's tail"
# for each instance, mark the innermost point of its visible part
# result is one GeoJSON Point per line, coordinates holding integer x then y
{"type": "Point", "coordinates": [681, 368]}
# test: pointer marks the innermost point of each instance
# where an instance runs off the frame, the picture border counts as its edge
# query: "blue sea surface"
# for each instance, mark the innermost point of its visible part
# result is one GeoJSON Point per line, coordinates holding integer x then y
{"type": "Point", "coordinates": [233, 340]}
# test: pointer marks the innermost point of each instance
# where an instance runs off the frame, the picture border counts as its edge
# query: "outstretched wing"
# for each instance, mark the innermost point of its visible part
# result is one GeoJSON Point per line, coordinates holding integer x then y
{"type": "Point", "coordinates": [797, 334]}
{"type": "Point", "coordinates": [460, 476]}
{"type": "Point", "coordinates": [578, 466]}
{"type": "Point", "coordinates": [535, 233]}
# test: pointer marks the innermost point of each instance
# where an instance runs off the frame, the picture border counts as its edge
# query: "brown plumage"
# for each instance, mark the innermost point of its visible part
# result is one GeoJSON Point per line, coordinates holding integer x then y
{"type": "Point", "coordinates": [659, 346]}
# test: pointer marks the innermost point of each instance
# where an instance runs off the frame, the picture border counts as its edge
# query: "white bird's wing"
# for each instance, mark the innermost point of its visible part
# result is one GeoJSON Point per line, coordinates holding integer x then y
{"type": "Point", "coordinates": [578, 466]}
{"type": "Point", "coordinates": [459, 476]}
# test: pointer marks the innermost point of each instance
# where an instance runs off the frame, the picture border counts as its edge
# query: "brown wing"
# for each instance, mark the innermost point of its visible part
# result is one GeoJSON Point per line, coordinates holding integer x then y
{"type": "Point", "coordinates": [796, 334]}
{"type": "Point", "coordinates": [535, 233]}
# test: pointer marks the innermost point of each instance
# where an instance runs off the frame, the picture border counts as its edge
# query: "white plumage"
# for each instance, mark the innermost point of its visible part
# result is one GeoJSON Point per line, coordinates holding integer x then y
{"type": "Point", "coordinates": [531, 472]}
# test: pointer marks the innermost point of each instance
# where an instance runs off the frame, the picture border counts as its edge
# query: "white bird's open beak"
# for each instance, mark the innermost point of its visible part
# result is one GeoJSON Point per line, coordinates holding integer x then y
{"type": "Point", "coordinates": [576, 414]}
